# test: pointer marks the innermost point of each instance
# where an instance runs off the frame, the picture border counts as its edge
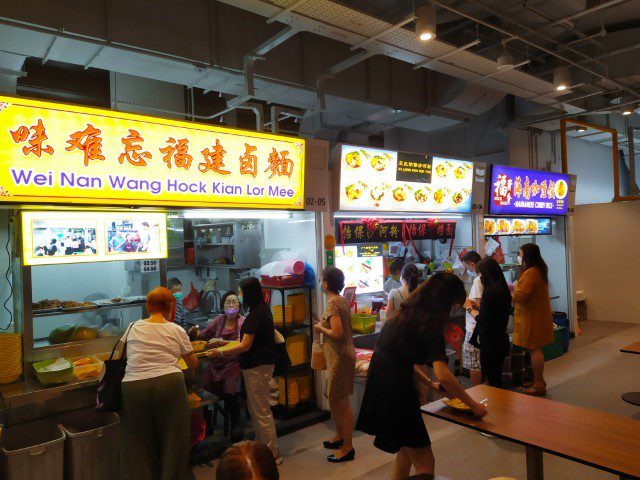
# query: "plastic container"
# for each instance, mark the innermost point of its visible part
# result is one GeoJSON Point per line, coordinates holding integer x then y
{"type": "Point", "coordinates": [33, 450]}
{"type": "Point", "coordinates": [298, 349]}
{"type": "Point", "coordinates": [554, 349]}
{"type": "Point", "coordinates": [363, 323]}
{"type": "Point", "coordinates": [298, 302]}
{"type": "Point", "coordinates": [278, 319]}
{"type": "Point", "coordinates": [282, 280]}
{"type": "Point", "coordinates": [91, 369]}
{"type": "Point", "coordinates": [53, 378]}
{"type": "Point", "coordinates": [91, 450]}
{"type": "Point", "coordinates": [11, 363]}
{"type": "Point", "coordinates": [562, 320]}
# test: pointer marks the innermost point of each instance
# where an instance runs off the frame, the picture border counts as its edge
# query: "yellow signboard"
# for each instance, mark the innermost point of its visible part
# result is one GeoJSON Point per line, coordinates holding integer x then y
{"type": "Point", "coordinates": [58, 153]}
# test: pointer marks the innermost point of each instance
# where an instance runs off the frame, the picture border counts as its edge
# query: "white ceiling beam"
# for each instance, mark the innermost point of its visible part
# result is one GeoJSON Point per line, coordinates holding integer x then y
{"type": "Point", "coordinates": [284, 11]}
{"type": "Point", "coordinates": [383, 33]}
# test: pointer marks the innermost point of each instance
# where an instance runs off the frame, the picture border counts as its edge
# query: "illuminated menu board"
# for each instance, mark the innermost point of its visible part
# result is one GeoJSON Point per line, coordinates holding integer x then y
{"type": "Point", "coordinates": [515, 191]}
{"type": "Point", "coordinates": [386, 181]}
{"type": "Point", "coordinates": [517, 226]}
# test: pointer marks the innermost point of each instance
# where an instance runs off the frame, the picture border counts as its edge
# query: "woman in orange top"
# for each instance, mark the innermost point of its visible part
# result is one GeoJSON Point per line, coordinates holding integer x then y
{"type": "Point", "coordinates": [533, 319]}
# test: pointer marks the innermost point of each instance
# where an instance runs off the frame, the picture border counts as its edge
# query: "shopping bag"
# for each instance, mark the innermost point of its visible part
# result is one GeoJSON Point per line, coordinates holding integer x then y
{"type": "Point", "coordinates": [453, 335]}
{"type": "Point", "coordinates": [318, 360]}
{"type": "Point", "coordinates": [108, 396]}
{"type": "Point", "coordinates": [191, 301]}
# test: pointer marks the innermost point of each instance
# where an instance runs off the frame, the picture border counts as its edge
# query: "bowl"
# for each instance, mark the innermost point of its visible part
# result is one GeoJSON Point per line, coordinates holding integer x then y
{"type": "Point", "coordinates": [198, 345]}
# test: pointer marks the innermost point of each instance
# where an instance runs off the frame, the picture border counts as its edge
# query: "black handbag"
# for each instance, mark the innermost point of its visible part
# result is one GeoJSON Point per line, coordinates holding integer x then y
{"type": "Point", "coordinates": [108, 396]}
{"type": "Point", "coordinates": [282, 361]}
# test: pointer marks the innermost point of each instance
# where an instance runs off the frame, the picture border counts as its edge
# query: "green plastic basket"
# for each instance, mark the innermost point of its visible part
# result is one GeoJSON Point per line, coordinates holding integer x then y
{"type": "Point", "coordinates": [363, 323]}
{"type": "Point", "coordinates": [53, 378]}
{"type": "Point", "coordinates": [554, 349]}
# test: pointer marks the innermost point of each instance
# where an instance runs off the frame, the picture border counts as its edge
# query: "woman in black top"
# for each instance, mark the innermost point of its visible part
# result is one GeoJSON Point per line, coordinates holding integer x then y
{"type": "Point", "coordinates": [492, 317]}
{"type": "Point", "coordinates": [257, 352]}
{"type": "Point", "coordinates": [391, 407]}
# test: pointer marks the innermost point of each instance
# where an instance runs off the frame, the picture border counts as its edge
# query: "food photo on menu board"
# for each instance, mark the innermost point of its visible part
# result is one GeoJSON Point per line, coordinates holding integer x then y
{"type": "Point", "coordinates": [527, 192]}
{"type": "Point", "coordinates": [385, 180]}
{"type": "Point", "coordinates": [363, 267]}
{"type": "Point", "coordinates": [517, 226]}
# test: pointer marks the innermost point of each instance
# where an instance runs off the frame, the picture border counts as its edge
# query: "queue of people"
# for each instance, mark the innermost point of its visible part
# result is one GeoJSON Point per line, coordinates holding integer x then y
{"type": "Point", "coordinates": [155, 411]}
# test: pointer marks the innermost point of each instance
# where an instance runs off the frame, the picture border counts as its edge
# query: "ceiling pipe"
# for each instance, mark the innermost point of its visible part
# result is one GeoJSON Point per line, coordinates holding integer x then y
{"type": "Point", "coordinates": [534, 44]}
{"type": "Point", "coordinates": [530, 30]}
{"type": "Point", "coordinates": [612, 53]}
{"type": "Point", "coordinates": [583, 37]}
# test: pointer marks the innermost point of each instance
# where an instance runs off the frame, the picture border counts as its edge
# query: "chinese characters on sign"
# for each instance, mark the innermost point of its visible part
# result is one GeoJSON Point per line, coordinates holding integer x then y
{"type": "Point", "coordinates": [528, 192]}
{"type": "Point", "coordinates": [382, 231]}
{"type": "Point", "coordinates": [78, 154]}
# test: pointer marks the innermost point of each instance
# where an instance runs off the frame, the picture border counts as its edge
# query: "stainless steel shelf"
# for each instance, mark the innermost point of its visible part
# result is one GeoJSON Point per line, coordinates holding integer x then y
{"type": "Point", "coordinates": [86, 309]}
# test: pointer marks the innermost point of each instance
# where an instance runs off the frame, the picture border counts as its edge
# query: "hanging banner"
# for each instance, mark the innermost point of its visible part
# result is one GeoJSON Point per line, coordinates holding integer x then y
{"type": "Point", "coordinates": [384, 231]}
{"type": "Point", "coordinates": [57, 153]}
{"type": "Point", "coordinates": [527, 192]}
{"type": "Point", "coordinates": [383, 180]}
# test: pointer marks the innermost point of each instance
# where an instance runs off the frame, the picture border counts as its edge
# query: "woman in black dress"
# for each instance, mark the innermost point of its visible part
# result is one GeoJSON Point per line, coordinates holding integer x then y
{"type": "Point", "coordinates": [492, 317]}
{"type": "Point", "coordinates": [391, 407]}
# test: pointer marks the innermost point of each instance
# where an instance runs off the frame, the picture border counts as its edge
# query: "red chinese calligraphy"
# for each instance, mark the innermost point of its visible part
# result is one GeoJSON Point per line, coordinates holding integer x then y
{"type": "Point", "coordinates": [89, 141]}
{"type": "Point", "coordinates": [132, 147]}
{"type": "Point", "coordinates": [178, 151]}
{"type": "Point", "coordinates": [248, 161]}
{"type": "Point", "coordinates": [214, 160]}
{"type": "Point", "coordinates": [502, 190]}
{"type": "Point", "coordinates": [279, 164]}
{"type": "Point", "coordinates": [35, 136]}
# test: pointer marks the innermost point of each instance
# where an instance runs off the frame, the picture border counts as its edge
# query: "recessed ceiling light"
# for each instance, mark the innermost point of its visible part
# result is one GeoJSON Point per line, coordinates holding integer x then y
{"type": "Point", "coordinates": [561, 78]}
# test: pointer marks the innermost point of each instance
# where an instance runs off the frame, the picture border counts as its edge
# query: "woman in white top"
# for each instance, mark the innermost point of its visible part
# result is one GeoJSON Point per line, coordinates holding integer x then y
{"type": "Point", "coordinates": [471, 354]}
{"type": "Point", "coordinates": [155, 414]}
{"type": "Point", "coordinates": [409, 279]}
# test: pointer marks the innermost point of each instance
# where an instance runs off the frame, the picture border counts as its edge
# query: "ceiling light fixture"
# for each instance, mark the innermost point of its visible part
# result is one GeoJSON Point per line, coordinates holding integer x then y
{"type": "Point", "coordinates": [505, 60]}
{"type": "Point", "coordinates": [425, 22]}
{"type": "Point", "coordinates": [581, 129]}
{"type": "Point", "coordinates": [561, 78]}
{"type": "Point", "coordinates": [628, 109]}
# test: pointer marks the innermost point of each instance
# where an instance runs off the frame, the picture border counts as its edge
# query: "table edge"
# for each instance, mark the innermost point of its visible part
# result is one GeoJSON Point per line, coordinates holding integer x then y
{"type": "Point", "coordinates": [519, 442]}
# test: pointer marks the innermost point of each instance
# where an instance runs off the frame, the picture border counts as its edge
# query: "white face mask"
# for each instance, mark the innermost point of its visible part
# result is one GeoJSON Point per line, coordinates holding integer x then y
{"type": "Point", "coordinates": [471, 273]}
{"type": "Point", "coordinates": [519, 260]}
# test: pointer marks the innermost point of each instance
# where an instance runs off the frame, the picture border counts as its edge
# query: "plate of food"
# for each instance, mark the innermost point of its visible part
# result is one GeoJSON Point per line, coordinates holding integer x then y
{"type": "Point", "coordinates": [198, 345]}
{"type": "Point", "coordinates": [354, 191]}
{"type": "Point", "coordinates": [489, 226]}
{"type": "Point", "coordinates": [46, 306]}
{"type": "Point", "coordinates": [517, 226]}
{"type": "Point", "coordinates": [561, 189]}
{"type": "Point", "coordinates": [532, 226]}
{"type": "Point", "coordinates": [229, 345]}
{"type": "Point", "coordinates": [70, 305]}
{"type": "Point", "coordinates": [354, 159]}
{"type": "Point", "coordinates": [399, 194]}
{"type": "Point", "coordinates": [459, 405]}
{"type": "Point", "coordinates": [379, 162]}
{"type": "Point", "coordinates": [459, 197]}
{"type": "Point", "coordinates": [504, 226]}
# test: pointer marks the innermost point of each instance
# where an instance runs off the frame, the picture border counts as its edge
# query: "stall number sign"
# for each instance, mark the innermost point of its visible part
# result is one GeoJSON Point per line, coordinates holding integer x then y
{"type": "Point", "coordinates": [316, 198]}
{"type": "Point", "coordinates": [149, 266]}
{"type": "Point", "coordinates": [57, 153]}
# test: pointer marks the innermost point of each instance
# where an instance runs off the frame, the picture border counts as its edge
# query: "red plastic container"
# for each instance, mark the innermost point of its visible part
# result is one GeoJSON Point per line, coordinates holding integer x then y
{"type": "Point", "coordinates": [283, 281]}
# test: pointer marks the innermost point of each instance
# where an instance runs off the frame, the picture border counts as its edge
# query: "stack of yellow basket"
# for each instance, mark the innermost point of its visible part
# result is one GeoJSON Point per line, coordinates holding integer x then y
{"type": "Point", "coordinates": [299, 303]}
{"type": "Point", "coordinates": [299, 387]}
{"type": "Point", "coordinates": [11, 361]}
{"type": "Point", "coordinates": [278, 317]}
{"type": "Point", "coordinates": [298, 349]}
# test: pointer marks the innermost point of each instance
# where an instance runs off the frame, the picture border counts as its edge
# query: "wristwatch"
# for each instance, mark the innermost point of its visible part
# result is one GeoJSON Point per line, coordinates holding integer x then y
{"type": "Point", "coordinates": [470, 310]}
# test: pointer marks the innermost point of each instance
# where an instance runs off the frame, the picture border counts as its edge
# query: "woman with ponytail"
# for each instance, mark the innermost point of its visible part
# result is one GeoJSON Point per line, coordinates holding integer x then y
{"type": "Point", "coordinates": [409, 278]}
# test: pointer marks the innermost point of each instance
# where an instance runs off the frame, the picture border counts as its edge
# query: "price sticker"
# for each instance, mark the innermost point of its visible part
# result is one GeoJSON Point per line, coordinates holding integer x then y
{"type": "Point", "coordinates": [149, 266]}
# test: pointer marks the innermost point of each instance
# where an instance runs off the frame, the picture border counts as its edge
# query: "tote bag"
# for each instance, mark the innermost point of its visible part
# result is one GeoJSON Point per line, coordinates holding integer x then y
{"type": "Point", "coordinates": [108, 397]}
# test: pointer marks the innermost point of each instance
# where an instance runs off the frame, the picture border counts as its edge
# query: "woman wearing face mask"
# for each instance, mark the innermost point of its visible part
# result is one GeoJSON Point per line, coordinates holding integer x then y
{"type": "Point", "coordinates": [222, 375]}
{"type": "Point", "coordinates": [175, 286]}
{"type": "Point", "coordinates": [470, 353]}
{"type": "Point", "coordinates": [341, 363]}
{"type": "Point", "coordinates": [533, 318]}
{"type": "Point", "coordinates": [257, 353]}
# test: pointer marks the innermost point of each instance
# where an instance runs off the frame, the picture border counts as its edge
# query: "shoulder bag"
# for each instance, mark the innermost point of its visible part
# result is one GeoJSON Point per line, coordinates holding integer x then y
{"type": "Point", "coordinates": [108, 397]}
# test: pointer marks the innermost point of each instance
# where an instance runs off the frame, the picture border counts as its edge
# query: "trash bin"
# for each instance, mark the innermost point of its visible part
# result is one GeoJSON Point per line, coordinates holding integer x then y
{"type": "Point", "coordinates": [562, 320]}
{"type": "Point", "coordinates": [91, 449]}
{"type": "Point", "coordinates": [554, 349]}
{"type": "Point", "coordinates": [33, 450]}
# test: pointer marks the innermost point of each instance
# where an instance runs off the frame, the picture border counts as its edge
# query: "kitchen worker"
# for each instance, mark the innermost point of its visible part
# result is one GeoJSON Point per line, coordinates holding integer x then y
{"type": "Point", "coordinates": [394, 279]}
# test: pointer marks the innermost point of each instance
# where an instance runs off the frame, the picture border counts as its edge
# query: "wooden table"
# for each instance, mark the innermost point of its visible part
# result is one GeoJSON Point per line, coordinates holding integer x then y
{"type": "Point", "coordinates": [632, 397]}
{"type": "Point", "coordinates": [600, 440]}
{"type": "Point", "coordinates": [633, 348]}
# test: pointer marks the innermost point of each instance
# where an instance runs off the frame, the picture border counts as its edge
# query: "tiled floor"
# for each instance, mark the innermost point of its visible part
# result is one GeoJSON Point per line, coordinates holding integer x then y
{"type": "Point", "coordinates": [592, 374]}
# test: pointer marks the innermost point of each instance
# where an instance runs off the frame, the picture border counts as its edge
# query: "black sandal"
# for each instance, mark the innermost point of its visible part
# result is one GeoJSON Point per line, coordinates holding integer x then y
{"type": "Point", "coordinates": [333, 445]}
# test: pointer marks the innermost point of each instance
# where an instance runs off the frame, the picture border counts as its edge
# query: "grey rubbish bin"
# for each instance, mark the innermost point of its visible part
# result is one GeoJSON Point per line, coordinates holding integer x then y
{"type": "Point", "coordinates": [33, 450]}
{"type": "Point", "coordinates": [91, 450]}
